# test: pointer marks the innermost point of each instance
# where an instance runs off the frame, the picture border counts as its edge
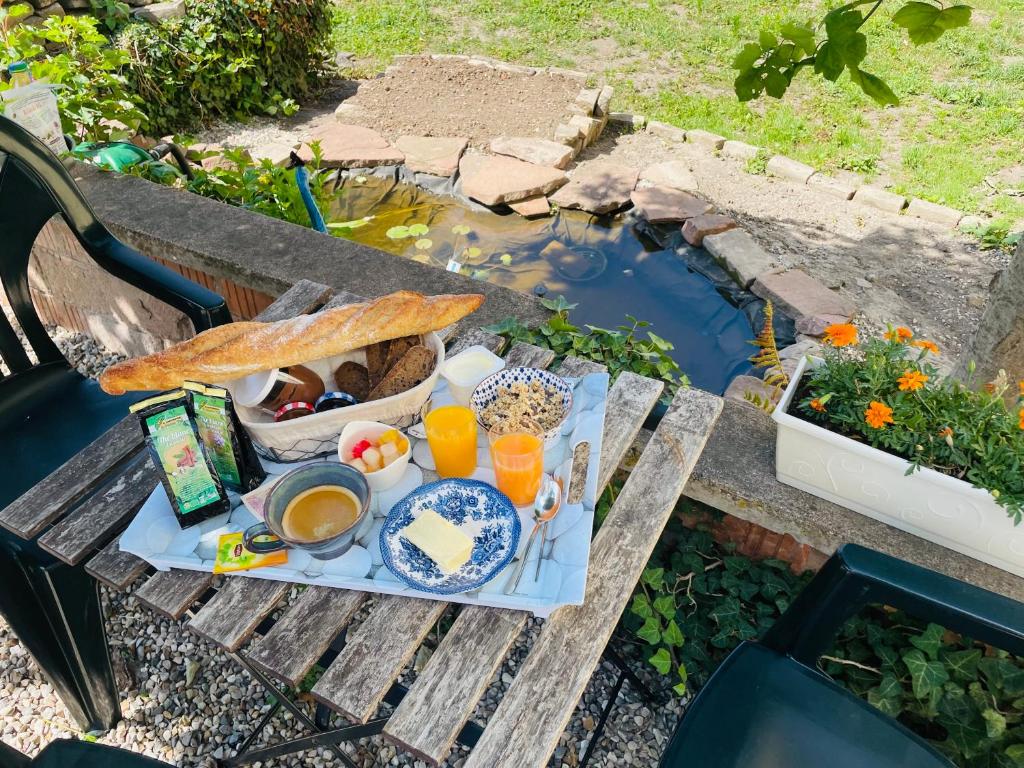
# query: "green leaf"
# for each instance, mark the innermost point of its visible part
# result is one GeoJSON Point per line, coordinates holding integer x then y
{"type": "Point", "coordinates": [672, 636]}
{"type": "Point", "coordinates": [747, 56]}
{"type": "Point", "coordinates": [397, 233]}
{"type": "Point", "coordinates": [926, 23]}
{"type": "Point", "coordinates": [424, 244]}
{"type": "Point", "coordinates": [460, 229]}
{"type": "Point", "coordinates": [767, 39]}
{"type": "Point", "coordinates": [853, 48]}
{"type": "Point", "coordinates": [929, 641]}
{"type": "Point", "coordinates": [802, 36]}
{"type": "Point", "coordinates": [418, 229]}
{"type": "Point", "coordinates": [776, 84]}
{"type": "Point", "coordinates": [654, 577]}
{"type": "Point", "coordinates": [1016, 753]}
{"type": "Point", "coordinates": [506, 259]}
{"type": "Point", "coordinates": [641, 606]}
{"type": "Point", "coordinates": [1004, 675]}
{"type": "Point", "coordinates": [995, 723]}
{"type": "Point", "coordinates": [666, 606]}
{"type": "Point", "coordinates": [962, 665]}
{"type": "Point", "coordinates": [829, 63]}
{"type": "Point", "coordinates": [661, 661]}
{"type": "Point", "coordinates": [926, 676]}
{"type": "Point", "coordinates": [471, 253]}
{"type": "Point", "coordinates": [874, 87]}
{"type": "Point", "coordinates": [650, 631]}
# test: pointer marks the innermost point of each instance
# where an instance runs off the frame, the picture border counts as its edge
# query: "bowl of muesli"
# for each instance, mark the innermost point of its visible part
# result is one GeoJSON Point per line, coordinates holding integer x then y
{"type": "Point", "coordinates": [526, 397]}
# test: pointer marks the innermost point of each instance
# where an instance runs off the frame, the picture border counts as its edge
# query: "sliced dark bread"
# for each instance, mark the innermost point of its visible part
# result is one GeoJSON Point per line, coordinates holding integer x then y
{"type": "Point", "coordinates": [414, 367]}
{"type": "Point", "coordinates": [353, 378]}
{"type": "Point", "coordinates": [376, 361]}
{"type": "Point", "coordinates": [398, 349]}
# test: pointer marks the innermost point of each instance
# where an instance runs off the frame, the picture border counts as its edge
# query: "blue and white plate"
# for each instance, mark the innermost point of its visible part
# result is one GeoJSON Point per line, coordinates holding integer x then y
{"type": "Point", "coordinates": [480, 510]}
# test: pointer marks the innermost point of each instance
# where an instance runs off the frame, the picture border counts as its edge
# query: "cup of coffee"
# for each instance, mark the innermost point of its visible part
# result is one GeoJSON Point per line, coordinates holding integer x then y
{"type": "Point", "coordinates": [316, 508]}
{"type": "Point", "coordinates": [271, 389]}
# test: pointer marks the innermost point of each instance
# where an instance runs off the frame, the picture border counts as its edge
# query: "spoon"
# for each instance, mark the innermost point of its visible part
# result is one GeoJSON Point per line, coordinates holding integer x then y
{"type": "Point", "coordinates": [544, 527]}
{"type": "Point", "coordinates": [545, 505]}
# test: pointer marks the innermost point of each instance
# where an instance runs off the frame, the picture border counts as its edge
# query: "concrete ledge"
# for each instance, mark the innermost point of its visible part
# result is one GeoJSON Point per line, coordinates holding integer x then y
{"type": "Point", "coordinates": [269, 255]}
{"type": "Point", "coordinates": [736, 474]}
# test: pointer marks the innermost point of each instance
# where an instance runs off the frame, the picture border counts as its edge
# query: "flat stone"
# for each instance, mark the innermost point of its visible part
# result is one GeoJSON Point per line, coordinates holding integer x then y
{"type": "Point", "coordinates": [740, 255]}
{"type": "Point", "coordinates": [660, 204]}
{"type": "Point", "coordinates": [349, 110]}
{"type": "Point", "coordinates": [585, 102]}
{"type": "Point", "coordinates": [532, 207]}
{"type": "Point", "coordinates": [538, 151]}
{"type": "Point", "coordinates": [800, 350]}
{"type": "Point", "coordinates": [709, 141]}
{"type": "Point", "coordinates": [740, 150]}
{"type": "Point", "coordinates": [880, 199]}
{"type": "Point", "coordinates": [799, 295]}
{"type": "Point", "coordinates": [742, 385]}
{"type": "Point", "coordinates": [815, 325]}
{"type": "Point", "coordinates": [699, 227]}
{"type": "Point", "coordinates": [666, 131]}
{"type": "Point", "coordinates": [495, 179]}
{"type": "Point", "coordinates": [200, 149]}
{"type": "Point", "coordinates": [599, 186]}
{"type": "Point", "coordinates": [438, 156]}
{"type": "Point", "coordinates": [277, 153]}
{"type": "Point", "coordinates": [570, 136]}
{"type": "Point", "coordinates": [53, 9]}
{"type": "Point", "coordinates": [674, 173]}
{"type": "Point", "coordinates": [591, 128]}
{"type": "Point", "coordinates": [788, 168]}
{"type": "Point", "coordinates": [628, 118]}
{"type": "Point", "coordinates": [940, 214]}
{"type": "Point", "coordinates": [173, 9]}
{"type": "Point", "coordinates": [221, 162]}
{"type": "Point", "coordinates": [351, 146]}
{"type": "Point", "coordinates": [603, 107]}
{"type": "Point", "coordinates": [831, 186]}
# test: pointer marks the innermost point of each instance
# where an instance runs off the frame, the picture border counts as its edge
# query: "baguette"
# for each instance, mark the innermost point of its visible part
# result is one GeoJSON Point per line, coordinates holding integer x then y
{"type": "Point", "coordinates": [240, 349]}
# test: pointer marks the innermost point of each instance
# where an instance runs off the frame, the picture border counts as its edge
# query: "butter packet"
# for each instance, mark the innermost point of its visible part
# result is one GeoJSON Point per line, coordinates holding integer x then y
{"type": "Point", "coordinates": [233, 556]}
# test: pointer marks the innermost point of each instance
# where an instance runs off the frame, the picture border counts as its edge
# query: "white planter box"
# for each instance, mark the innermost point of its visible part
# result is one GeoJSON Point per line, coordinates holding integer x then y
{"type": "Point", "coordinates": [927, 503]}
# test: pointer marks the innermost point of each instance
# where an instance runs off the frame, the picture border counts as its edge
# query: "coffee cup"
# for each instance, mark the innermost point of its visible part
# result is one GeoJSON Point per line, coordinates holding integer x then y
{"type": "Point", "coordinates": [271, 389]}
{"type": "Point", "coordinates": [317, 508]}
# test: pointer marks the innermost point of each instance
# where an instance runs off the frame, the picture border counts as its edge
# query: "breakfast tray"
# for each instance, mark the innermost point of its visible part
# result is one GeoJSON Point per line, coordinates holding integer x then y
{"type": "Point", "coordinates": [154, 534]}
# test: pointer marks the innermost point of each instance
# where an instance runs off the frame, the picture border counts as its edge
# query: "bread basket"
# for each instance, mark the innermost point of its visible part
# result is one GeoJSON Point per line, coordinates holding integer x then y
{"type": "Point", "coordinates": [317, 434]}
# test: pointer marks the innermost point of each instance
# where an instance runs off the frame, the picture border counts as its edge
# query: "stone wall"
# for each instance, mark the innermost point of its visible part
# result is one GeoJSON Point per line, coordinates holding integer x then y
{"type": "Point", "coordinates": [41, 9]}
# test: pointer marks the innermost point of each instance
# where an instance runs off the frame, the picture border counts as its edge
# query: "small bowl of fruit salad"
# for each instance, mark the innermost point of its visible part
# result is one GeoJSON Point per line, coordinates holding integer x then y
{"type": "Point", "coordinates": [380, 452]}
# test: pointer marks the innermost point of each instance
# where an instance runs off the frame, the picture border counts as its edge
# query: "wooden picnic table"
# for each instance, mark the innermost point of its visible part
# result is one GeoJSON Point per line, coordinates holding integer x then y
{"type": "Point", "coordinates": [81, 509]}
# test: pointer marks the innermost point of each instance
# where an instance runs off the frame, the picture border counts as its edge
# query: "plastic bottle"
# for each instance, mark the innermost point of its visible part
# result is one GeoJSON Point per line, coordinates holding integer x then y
{"type": "Point", "coordinates": [20, 74]}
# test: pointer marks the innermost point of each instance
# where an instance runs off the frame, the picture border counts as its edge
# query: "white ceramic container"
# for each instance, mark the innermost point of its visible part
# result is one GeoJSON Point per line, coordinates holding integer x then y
{"type": "Point", "coordinates": [927, 503]}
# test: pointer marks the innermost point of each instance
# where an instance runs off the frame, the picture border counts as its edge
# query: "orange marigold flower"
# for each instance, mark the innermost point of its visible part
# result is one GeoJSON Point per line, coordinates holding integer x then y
{"type": "Point", "coordinates": [878, 415]}
{"type": "Point", "coordinates": [817, 405]}
{"type": "Point", "coordinates": [841, 334]}
{"type": "Point", "coordinates": [1021, 416]}
{"type": "Point", "coordinates": [931, 346]}
{"type": "Point", "coordinates": [911, 381]}
{"type": "Point", "coordinates": [899, 334]}
{"type": "Point", "coordinates": [946, 432]}
{"type": "Point", "coordinates": [1021, 385]}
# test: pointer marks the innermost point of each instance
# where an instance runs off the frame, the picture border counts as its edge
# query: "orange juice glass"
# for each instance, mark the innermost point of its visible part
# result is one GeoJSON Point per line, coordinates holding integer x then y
{"type": "Point", "coordinates": [451, 434]}
{"type": "Point", "coordinates": [518, 459]}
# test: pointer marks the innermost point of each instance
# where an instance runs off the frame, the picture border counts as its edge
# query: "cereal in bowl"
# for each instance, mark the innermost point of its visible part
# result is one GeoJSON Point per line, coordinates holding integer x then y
{"type": "Point", "coordinates": [522, 404]}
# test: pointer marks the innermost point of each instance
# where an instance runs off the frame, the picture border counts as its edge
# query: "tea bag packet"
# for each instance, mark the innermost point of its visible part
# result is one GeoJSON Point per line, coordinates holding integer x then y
{"type": "Point", "coordinates": [226, 441]}
{"type": "Point", "coordinates": [233, 556]}
{"type": "Point", "coordinates": [186, 471]}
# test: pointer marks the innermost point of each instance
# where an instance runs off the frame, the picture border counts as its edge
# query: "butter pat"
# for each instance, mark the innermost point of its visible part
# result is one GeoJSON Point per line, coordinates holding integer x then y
{"type": "Point", "coordinates": [441, 541]}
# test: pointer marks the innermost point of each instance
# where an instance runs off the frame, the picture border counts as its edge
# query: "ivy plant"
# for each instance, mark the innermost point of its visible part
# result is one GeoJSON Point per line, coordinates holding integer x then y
{"type": "Point", "coordinates": [836, 45]}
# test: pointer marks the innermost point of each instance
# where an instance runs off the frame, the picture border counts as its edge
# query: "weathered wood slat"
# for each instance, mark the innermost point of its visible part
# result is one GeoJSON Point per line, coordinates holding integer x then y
{"type": "Point", "coordinates": [375, 655]}
{"type": "Point", "coordinates": [492, 341]}
{"type": "Point", "coordinates": [93, 522]}
{"type": "Point", "coordinates": [303, 297]}
{"type": "Point", "coordinates": [535, 710]}
{"type": "Point", "coordinates": [115, 568]}
{"type": "Point", "coordinates": [577, 366]}
{"type": "Point", "coordinates": [233, 614]}
{"type": "Point", "coordinates": [445, 694]}
{"type": "Point", "coordinates": [300, 637]}
{"type": "Point", "coordinates": [342, 298]}
{"type": "Point", "coordinates": [172, 592]}
{"type": "Point", "coordinates": [437, 706]}
{"type": "Point", "coordinates": [528, 356]}
{"type": "Point", "coordinates": [55, 494]}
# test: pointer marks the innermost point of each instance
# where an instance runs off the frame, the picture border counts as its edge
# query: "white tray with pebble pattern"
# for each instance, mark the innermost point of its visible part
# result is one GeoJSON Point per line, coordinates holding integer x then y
{"type": "Point", "coordinates": [154, 534]}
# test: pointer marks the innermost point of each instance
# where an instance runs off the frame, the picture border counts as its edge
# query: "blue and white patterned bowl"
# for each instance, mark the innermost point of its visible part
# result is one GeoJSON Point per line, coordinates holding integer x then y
{"type": "Point", "coordinates": [486, 393]}
{"type": "Point", "coordinates": [479, 509]}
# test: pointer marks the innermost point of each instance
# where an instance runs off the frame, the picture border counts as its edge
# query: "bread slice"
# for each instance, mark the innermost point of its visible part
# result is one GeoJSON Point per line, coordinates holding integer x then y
{"type": "Point", "coordinates": [414, 368]}
{"type": "Point", "coordinates": [398, 348]}
{"type": "Point", "coordinates": [353, 378]}
{"type": "Point", "coordinates": [376, 362]}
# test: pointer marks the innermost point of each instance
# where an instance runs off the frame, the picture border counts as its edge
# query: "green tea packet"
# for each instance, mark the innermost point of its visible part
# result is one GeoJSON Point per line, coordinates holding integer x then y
{"type": "Point", "coordinates": [225, 439]}
{"type": "Point", "coordinates": [233, 556]}
{"type": "Point", "coordinates": [187, 474]}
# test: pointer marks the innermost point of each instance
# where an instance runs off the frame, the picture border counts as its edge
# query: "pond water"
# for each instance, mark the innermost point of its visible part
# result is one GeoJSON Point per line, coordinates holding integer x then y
{"type": "Point", "coordinates": [610, 266]}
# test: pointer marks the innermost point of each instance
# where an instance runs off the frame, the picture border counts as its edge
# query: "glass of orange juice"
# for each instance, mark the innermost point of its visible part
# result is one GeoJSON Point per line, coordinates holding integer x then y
{"type": "Point", "coordinates": [451, 434]}
{"type": "Point", "coordinates": [518, 459]}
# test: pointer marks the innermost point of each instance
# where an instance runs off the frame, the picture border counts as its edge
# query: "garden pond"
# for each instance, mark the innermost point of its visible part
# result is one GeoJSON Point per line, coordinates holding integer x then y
{"type": "Point", "coordinates": [610, 266]}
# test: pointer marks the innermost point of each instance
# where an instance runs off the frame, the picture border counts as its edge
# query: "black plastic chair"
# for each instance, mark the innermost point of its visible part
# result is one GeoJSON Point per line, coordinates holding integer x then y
{"type": "Point", "coordinates": [68, 753]}
{"type": "Point", "coordinates": [769, 706]}
{"type": "Point", "coordinates": [49, 412]}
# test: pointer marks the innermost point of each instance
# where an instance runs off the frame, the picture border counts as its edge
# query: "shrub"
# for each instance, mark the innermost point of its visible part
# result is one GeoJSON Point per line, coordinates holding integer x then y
{"type": "Point", "coordinates": [71, 52]}
{"type": "Point", "coordinates": [227, 58]}
{"type": "Point", "coordinates": [886, 393]}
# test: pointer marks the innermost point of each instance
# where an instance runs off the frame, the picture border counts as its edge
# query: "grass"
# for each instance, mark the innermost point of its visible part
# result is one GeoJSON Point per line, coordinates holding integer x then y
{"type": "Point", "coordinates": [960, 121]}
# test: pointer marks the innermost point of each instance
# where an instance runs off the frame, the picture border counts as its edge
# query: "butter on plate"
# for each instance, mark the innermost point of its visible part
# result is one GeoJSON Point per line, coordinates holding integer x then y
{"type": "Point", "coordinates": [439, 540]}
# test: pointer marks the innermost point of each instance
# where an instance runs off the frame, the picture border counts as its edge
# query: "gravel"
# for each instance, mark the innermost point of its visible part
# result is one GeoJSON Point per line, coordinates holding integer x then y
{"type": "Point", "coordinates": [188, 703]}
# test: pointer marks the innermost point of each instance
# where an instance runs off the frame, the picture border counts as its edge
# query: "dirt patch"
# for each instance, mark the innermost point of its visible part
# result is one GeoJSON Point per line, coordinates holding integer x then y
{"type": "Point", "coordinates": [899, 270]}
{"type": "Point", "coordinates": [427, 97]}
